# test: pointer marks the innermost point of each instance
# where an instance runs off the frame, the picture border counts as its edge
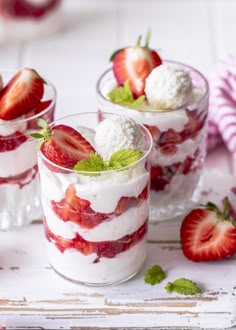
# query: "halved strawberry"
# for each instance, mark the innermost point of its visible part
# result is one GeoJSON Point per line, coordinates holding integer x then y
{"type": "Point", "coordinates": [22, 94]}
{"type": "Point", "coordinates": [65, 146]}
{"type": "Point", "coordinates": [208, 234]}
{"type": "Point", "coordinates": [134, 64]}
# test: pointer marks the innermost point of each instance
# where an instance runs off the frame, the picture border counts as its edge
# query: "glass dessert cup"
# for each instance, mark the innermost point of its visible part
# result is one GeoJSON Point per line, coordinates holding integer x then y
{"type": "Point", "coordinates": [96, 222]}
{"type": "Point", "coordinates": [19, 182]}
{"type": "Point", "coordinates": [22, 20]}
{"type": "Point", "coordinates": [179, 145]}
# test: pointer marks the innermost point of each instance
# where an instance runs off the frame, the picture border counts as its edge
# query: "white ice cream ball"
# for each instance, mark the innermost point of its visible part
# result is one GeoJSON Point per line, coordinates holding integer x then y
{"type": "Point", "coordinates": [117, 133]}
{"type": "Point", "coordinates": [169, 86]}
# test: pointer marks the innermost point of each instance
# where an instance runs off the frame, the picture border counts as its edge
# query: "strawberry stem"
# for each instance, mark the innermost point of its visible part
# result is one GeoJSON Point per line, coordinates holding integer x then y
{"type": "Point", "coordinates": [138, 41]}
{"type": "Point", "coordinates": [148, 38]}
{"type": "Point", "coordinates": [225, 213]}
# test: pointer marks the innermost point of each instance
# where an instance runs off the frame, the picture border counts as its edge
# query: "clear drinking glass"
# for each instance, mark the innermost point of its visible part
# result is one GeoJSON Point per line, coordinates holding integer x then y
{"type": "Point", "coordinates": [19, 186]}
{"type": "Point", "coordinates": [22, 20]}
{"type": "Point", "coordinates": [179, 145]}
{"type": "Point", "coordinates": [96, 224]}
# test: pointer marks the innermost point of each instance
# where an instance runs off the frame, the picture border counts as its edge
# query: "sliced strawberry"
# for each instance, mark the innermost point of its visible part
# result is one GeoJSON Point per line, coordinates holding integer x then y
{"type": "Point", "coordinates": [40, 107]}
{"type": "Point", "coordinates": [155, 132]}
{"type": "Point", "coordinates": [135, 64]}
{"type": "Point", "coordinates": [24, 8]}
{"type": "Point", "coordinates": [22, 94]}
{"type": "Point", "coordinates": [48, 116]}
{"type": "Point", "coordinates": [12, 141]}
{"type": "Point", "coordinates": [158, 180]}
{"type": "Point", "coordinates": [66, 146]}
{"type": "Point", "coordinates": [208, 234]}
{"type": "Point", "coordinates": [169, 149]}
{"type": "Point", "coordinates": [170, 136]}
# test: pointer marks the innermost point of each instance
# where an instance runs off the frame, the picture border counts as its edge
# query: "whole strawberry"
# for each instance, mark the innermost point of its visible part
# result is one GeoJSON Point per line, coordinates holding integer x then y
{"type": "Point", "coordinates": [135, 63]}
{"type": "Point", "coordinates": [209, 234]}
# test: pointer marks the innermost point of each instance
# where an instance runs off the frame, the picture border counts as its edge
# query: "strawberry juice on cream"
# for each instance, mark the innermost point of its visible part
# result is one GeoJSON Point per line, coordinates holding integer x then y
{"type": "Point", "coordinates": [24, 97]}
{"type": "Point", "coordinates": [95, 193]}
{"type": "Point", "coordinates": [171, 100]}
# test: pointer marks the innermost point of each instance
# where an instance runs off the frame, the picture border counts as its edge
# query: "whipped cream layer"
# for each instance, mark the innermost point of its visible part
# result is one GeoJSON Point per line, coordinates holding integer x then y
{"type": "Point", "coordinates": [11, 127]}
{"type": "Point", "coordinates": [106, 271]}
{"type": "Point", "coordinates": [19, 160]}
{"type": "Point", "coordinates": [103, 191]}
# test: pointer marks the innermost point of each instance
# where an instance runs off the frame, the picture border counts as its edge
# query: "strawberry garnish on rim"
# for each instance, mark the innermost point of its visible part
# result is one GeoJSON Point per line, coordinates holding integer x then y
{"type": "Point", "coordinates": [22, 94]}
{"type": "Point", "coordinates": [62, 144]}
{"type": "Point", "coordinates": [208, 233]}
{"type": "Point", "coordinates": [134, 64]}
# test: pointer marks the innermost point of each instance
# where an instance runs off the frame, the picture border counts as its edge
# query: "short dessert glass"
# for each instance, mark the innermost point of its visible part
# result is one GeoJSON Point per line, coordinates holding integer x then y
{"type": "Point", "coordinates": [19, 183]}
{"type": "Point", "coordinates": [28, 20]}
{"type": "Point", "coordinates": [96, 222]}
{"type": "Point", "coordinates": [179, 145]}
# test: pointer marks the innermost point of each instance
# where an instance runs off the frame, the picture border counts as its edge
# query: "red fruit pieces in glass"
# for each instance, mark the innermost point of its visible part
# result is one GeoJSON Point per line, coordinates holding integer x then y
{"type": "Point", "coordinates": [103, 249]}
{"type": "Point", "coordinates": [77, 210]}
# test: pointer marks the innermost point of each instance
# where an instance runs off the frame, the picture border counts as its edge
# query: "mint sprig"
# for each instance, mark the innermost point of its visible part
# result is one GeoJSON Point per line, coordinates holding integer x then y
{"type": "Point", "coordinates": [118, 160]}
{"type": "Point", "coordinates": [123, 95]}
{"type": "Point", "coordinates": [44, 134]}
{"type": "Point", "coordinates": [154, 275]}
{"type": "Point", "coordinates": [183, 286]}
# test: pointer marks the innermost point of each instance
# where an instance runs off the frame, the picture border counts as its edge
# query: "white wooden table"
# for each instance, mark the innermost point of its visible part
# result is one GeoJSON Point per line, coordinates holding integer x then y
{"type": "Point", "coordinates": [32, 296]}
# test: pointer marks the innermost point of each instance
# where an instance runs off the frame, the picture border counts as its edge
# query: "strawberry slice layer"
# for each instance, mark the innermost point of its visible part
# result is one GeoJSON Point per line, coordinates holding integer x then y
{"type": "Point", "coordinates": [77, 210]}
{"type": "Point", "coordinates": [103, 249]}
{"type": "Point", "coordinates": [66, 147]}
{"type": "Point", "coordinates": [206, 237]}
{"type": "Point", "coordinates": [12, 141]}
{"type": "Point", "coordinates": [22, 94]}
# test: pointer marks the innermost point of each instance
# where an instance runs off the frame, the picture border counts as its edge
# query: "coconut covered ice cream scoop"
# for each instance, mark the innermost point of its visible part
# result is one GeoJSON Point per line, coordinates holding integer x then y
{"type": "Point", "coordinates": [117, 133]}
{"type": "Point", "coordinates": [168, 87]}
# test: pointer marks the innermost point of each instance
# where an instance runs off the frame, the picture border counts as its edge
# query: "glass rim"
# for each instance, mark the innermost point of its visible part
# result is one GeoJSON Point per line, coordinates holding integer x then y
{"type": "Point", "coordinates": [87, 173]}
{"type": "Point", "coordinates": [25, 120]}
{"type": "Point", "coordinates": [199, 101]}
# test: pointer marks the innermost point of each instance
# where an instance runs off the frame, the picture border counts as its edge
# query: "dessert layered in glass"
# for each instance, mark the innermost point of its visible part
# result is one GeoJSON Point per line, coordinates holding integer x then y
{"type": "Point", "coordinates": [28, 19]}
{"type": "Point", "coordinates": [171, 100]}
{"type": "Point", "coordinates": [95, 181]}
{"type": "Point", "coordinates": [24, 97]}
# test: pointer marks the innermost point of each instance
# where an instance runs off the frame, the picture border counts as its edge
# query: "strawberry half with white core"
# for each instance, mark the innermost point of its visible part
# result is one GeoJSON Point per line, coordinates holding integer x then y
{"type": "Point", "coordinates": [208, 234]}
{"type": "Point", "coordinates": [134, 64]}
{"type": "Point", "coordinates": [22, 94]}
{"type": "Point", "coordinates": [62, 144]}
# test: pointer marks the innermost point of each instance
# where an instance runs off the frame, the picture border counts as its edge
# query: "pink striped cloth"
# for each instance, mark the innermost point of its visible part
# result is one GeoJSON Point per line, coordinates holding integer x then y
{"type": "Point", "coordinates": [222, 106]}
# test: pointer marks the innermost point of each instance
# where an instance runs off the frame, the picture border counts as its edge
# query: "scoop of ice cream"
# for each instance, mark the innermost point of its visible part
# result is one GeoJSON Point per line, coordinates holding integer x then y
{"type": "Point", "coordinates": [169, 86]}
{"type": "Point", "coordinates": [117, 133]}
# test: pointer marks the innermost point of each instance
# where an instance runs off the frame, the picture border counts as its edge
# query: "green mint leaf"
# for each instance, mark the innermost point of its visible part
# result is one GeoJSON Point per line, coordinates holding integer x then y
{"type": "Point", "coordinates": [128, 92]}
{"type": "Point", "coordinates": [183, 286]}
{"type": "Point", "coordinates": [37, 135]}
{"type": "Point", "coordinates": [42, 123]}
{"type": "Point", "coordinates": [123, 95]}
{"type": "Point", "coordinates": [94, 164]}
{"type": "Point", "coordinates": [136, 104]}
{"type": "Point", "coordinates": [122, 158]}
{"type": "Point", "coordinates": [154, 275]}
